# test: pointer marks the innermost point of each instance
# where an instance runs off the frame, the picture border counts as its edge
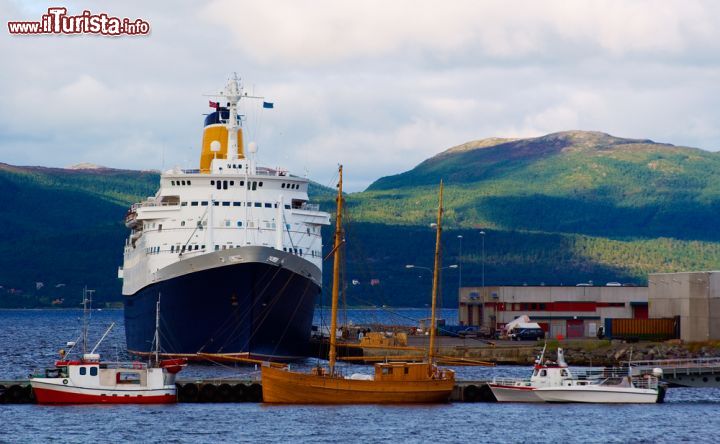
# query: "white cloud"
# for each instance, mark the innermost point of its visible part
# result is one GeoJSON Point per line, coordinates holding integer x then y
{"type": "Point", "coordinates": [378, 86]}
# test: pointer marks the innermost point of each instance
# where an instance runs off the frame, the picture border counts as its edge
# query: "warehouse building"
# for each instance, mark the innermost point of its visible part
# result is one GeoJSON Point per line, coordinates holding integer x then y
{"type": "Point", "coordinates": [570, 312]}
{"type": "Point", "coordinates": [694, 297]}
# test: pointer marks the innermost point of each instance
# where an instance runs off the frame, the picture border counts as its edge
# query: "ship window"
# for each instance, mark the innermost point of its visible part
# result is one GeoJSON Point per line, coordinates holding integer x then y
{"type": "Point", "coordinates": [203, 247]}
{"type": "Point", "coordinates": [217, 204]}
{"type": "Point", "coordinates": [204, 203]}
{"type": "Point", "coordinates": [258, 204]}
{"type": "Point", "coordinates": [182, 223]}
{"type": "Point", "coordinates": [301, 252]}
{"type": "Point", "coordinates": [218, 184]}
{"type": "Point", "coordinates": [224, 184]}
{"type": "Point", "coordinates": [183, 249]}
{"type": "Point", "coordinates": [232, 182]}
{"type": "Point", "coordinates": [284, 248]}
{"type": "Point", "coordinates": [93, 371]}
{"type": "Point", "coordinates": [226, 204]}
{"type": "Point", "coordinates": [194, 203]}
{"type": "Point", "coordinates": [282, 185]}
{"type": "Point", "coordinates": [242, 182]}
{"type": "Point", "coordinates": [543, 372]}
{"type": "Point", "coordinates": [189, 183]}
{"type": "Point", "coordinates": [248, 204]}
{"type": "Point", "coordinates": [196, 247]}
{"type": "Point", "coordinates": [268, 205]}
{"type": "Point", "coordinates": [83, 370]}
{"type": "Point", "coordinates": [239, 223]}
{"type": "Point", "coordinates": [254, 186]}
{"type": "Point", "coordinates": [260, 184]}
{"type": "Point", "coordinates": [183, 182]}
{"type": "Point", "coordinates": [387, 371]}
{"type": "Point", "coordinates": [172, 248]}
{"type": "Point", "coordinates": [159, 227]}
{"type": "Point", "coordinates": [275, 205]}
{"type": "Point", "coordinates": [237, 204]}
{"type": "Point", "coordinates": [183, 204]}
{"type": "Point", "coordinates": [217, 247]}
{"type": "Point", "coordinates": [212, 182]}
{"type": "Point", "coordinates": [172, 182]}
{"type": "Point", "coordinates": [287, 207]}
{"type": "Point", "coordinates": [227, 223]}
{"type": "Point", "coordinates": [407, 370]}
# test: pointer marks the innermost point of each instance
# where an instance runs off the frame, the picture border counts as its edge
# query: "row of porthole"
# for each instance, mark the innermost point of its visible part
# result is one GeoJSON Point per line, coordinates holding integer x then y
{"type": "Point", "coordinates": [705, 379]}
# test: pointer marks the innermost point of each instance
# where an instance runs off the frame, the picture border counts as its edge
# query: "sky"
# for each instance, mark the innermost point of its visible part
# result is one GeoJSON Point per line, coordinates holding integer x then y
{"type": "Point", "coordinates": [378, 86]}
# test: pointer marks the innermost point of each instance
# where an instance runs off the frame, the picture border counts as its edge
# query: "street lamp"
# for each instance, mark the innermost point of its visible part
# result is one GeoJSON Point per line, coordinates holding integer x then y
{"type": "Point", "coordinates": [460, 238]}
{"type": "Point", "coordinates": [429, 269]}
{"type": "Point", "coordinates": [482, 234]}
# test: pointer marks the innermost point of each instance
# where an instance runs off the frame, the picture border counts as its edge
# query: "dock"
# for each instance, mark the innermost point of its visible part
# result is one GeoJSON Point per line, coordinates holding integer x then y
{"type": "Point", "coordinates": [233, 391]}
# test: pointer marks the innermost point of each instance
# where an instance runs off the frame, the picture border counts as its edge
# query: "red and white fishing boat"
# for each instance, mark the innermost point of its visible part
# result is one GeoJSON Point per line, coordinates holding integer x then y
{"type": "Point", "coordinates": [88, 380]}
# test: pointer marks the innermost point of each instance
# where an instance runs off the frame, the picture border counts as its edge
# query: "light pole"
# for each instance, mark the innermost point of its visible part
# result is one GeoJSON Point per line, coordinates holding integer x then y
{"type": "Point", "coordinates": [482, 234]}
{"type": "Point", "coordinates": [411, 266]}
{"type": "Point", "coordinates": [460, 238]}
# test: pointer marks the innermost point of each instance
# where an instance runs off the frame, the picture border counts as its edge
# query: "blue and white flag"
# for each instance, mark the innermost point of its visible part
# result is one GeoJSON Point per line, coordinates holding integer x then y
{"type": "Point", "coordinates": [268, 105]}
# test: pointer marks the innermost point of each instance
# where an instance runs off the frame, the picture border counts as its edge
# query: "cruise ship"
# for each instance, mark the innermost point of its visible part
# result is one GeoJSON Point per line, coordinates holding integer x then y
{"type": "Point", "coordinates": [234, 250]}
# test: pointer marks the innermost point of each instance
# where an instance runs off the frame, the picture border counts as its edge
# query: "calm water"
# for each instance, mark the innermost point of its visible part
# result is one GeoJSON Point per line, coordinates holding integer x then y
{"type": "Point", "coordinates": [30, 338]}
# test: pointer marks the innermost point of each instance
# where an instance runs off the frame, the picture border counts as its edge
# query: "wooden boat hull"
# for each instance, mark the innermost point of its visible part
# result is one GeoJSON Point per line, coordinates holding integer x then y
{"type": "Point", "coordinates": [284, 387]}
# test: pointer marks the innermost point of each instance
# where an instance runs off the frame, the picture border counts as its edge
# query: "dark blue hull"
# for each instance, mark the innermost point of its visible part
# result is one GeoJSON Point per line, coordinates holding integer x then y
{"type": "Point", "coordinates": [253, 308]}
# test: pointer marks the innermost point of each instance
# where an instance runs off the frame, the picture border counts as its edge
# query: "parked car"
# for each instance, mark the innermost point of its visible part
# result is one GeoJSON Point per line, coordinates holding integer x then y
{"type": "Point", "coordinates": [527, 334]}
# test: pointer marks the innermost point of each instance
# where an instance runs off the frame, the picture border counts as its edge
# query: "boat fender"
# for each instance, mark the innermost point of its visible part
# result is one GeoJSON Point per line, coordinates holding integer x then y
{"type": "Point", "coordinates": [65, 381]}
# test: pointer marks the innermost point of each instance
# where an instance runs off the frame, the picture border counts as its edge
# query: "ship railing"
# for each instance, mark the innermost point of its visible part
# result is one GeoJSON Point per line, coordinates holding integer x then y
{"type": "Point", "coordinates": [512, 382]}
{"type": "Point", "coordinates": [677, 363]}
{"type": "Point", "coordinates": [136, 365]}
{"type": "Point", "coordinates": [645, 382]}
{"type": "Point", "coordinates": [310, 207]}
{"type": "Point", "coordinates": [191, 171]}
{"type": "Point", "coordinates": [601, 373]}
{"type": "Point", "coordinates": [157, 204]}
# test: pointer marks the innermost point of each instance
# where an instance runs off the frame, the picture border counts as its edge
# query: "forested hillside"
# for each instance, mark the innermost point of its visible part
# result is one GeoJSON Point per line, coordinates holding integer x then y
{"type": "Point", "coordinates": [559, 209]}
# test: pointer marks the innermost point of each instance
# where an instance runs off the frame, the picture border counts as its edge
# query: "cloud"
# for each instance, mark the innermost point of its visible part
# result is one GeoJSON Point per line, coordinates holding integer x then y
{"type": "Point", "coordinates": [378, 86]}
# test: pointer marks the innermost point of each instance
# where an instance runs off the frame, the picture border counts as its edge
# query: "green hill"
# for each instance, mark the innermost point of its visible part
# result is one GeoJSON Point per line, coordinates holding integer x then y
{"type": "Point", "coordinates": [559, 209]}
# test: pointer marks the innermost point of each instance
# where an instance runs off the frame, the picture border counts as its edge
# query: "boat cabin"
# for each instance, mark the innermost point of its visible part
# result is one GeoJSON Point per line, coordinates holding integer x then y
{"type": "Point", "coordinates": [410, 371]}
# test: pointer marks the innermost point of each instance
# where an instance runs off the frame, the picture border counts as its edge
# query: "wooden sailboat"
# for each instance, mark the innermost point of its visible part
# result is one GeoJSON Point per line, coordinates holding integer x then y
{"type": "Point", "coordinates": [396, 382]}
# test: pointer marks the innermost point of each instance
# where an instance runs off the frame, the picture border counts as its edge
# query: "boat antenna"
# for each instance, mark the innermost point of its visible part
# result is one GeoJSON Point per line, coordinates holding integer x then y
{"type": "Point", "coordinates": [87, 306]}
{"type": "Point", "coordinates": [436, 276]}
{"type": "Point", "coordinates": [102, 338]}
{"type": "Point", "coordinates": [336, 273]}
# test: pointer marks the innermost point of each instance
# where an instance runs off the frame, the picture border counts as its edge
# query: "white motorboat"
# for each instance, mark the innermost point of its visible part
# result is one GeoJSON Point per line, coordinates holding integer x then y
{"type": "Point", "coordinates": [555, 382]}
{"type": "Point", "coordinates": [545, 374]}
{"type": "Point", "coordinates": [615, 389]}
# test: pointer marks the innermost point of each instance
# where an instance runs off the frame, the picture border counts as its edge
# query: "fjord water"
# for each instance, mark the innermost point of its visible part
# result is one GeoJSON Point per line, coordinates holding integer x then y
{"type": "Point", "coordinates": [30, 339]}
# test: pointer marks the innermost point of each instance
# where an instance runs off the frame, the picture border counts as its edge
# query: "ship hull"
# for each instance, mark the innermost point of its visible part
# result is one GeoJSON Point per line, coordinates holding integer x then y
{"type": "Point", "coordinates": [53, 392]}
{"type": "Point", "coordinates": [504, 393]}
{"type": "Point", "coordinates": [283, 387]}
{"type": "Point", "coordinates": [259, 308]}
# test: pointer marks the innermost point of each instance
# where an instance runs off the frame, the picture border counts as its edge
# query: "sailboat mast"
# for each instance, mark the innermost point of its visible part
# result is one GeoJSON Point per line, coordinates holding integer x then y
{"type": "Point", "coordinates": [336, 274]}
{"type": "Point", "coordinates": [436, 277]}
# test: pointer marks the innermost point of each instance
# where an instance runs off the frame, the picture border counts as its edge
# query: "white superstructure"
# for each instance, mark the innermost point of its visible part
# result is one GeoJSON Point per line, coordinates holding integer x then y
{"type": "Point", "coordinates": [221, 208]}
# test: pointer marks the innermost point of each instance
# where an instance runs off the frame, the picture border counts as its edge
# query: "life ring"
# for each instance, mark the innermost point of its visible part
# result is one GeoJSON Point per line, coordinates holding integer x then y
{"type": "Point", "coordinates": [65, 381]}
{"type": "Point", "coordinates": [137, 365]}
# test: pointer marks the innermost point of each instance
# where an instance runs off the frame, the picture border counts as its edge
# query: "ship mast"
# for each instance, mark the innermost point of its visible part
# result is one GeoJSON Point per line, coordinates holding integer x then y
{"type": "Point", "coordinates": [157, 330]}
{"type": "Point", "coordinates": [336, 274]}
{"type": "Point", "coordinates": [436, 277]}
